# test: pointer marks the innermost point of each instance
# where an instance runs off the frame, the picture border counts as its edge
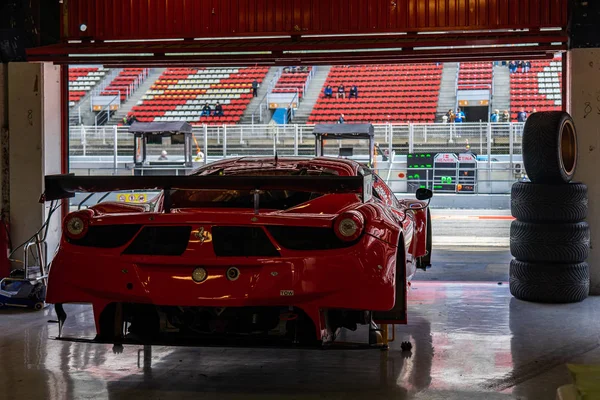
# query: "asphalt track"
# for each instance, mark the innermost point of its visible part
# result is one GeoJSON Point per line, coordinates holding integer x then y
{"type": "Point", "coordinates": [469, 246]}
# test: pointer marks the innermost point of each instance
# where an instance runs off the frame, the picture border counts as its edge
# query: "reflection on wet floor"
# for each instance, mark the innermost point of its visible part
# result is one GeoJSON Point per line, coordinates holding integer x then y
{"type": "Point", "coordinates": [470, 341]}
{"type": "Point", "coordinates": [477, 264]}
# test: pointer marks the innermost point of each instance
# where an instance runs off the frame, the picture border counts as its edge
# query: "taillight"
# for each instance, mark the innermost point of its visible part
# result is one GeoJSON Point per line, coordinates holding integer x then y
{"type": "Point", "coordinates": [76, 225]}
{"type": "Point", "coordinates": [349, 226]}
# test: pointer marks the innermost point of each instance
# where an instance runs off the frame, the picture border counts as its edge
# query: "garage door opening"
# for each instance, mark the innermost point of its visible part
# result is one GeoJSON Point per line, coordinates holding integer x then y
{"type": "Point", "coordinates": [470, 166]}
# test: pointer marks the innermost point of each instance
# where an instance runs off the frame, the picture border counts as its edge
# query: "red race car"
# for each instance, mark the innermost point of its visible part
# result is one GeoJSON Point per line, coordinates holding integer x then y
{"type": "Point", "coordinates": [291, 248]}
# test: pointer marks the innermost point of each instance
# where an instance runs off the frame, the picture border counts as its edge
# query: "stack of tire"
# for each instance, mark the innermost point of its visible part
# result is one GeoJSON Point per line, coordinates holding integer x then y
{"type": "Point", "coordinates": [549, 239]}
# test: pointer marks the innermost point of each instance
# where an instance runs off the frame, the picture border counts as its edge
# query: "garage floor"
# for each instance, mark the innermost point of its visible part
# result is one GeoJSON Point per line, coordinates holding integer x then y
{"type": "Point", "coordinates": [471, 340]}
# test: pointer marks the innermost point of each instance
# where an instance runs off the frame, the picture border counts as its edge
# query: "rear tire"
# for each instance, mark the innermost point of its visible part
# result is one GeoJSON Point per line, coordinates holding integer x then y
{"type": "Point", "coordinates": [549, 283]}
{"type": "Point", "coordinates": [549, 203]}
{"type": "Point", "coordinates": [550, 243]}
{"type": "Point", "coordinates": [109, 324]}
{"type": "Point", "coordinates": [550, 147]}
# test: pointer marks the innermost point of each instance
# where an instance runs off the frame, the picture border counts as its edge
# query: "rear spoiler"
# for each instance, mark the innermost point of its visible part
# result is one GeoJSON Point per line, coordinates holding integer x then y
{"type": "Point", "coordinates": [65, 186]}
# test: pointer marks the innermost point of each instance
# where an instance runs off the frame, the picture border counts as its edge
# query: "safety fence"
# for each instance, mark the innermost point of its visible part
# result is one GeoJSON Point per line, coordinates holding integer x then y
{"type": "Point", "coordinates": [267, 140]}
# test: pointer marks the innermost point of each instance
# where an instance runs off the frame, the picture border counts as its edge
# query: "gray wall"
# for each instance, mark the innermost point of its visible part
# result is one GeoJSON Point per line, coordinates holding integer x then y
{"type": "Point", "coordinates": [35, 146]}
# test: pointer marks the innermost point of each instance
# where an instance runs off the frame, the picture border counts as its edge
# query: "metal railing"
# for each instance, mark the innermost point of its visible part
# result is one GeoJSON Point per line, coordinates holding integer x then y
{"type": "Point", "coordinates": [103, 116]}
{"type": "Point", "coordinates": [262, 109]}
{"type": "Point", "coordinates": [119, 96]}
{"type": "Point", "coordinates": [309, 79]}
{"type": "Point", "coordinates": [75, 115]}
{"type": "Point", "coordinates": [480, 137]}
{"type": "Point", "coordinates": [291, 108]}
{"type": "Point", "coordinates": [109, 149]}
{"type": "Point", "coordinates": [456, 87]}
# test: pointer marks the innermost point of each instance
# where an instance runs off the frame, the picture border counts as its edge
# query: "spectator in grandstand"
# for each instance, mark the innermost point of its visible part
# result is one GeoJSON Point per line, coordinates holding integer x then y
{"type": "Point", "coordinates": [512, 67]}
{"type": "Point", "coordinates": [205, 111]}
{"type": "Point", "coordinates": [353, 92]}
{"type": "Point", "coordinates": [130, 119]}
{"type": "Point", "coordinates": [459, 117]}
{"type": "Point", "coordinates": [163, 156]}
{"type": "Point", "coordinates": [341, 120]}
{"type": "Point", "coordinates": [527, 66]}
{"type": "Point", "coordinates": [505, 117]}
{"type": "Point", "coordinates": [341, 92]}
{"type": "Point", "coordinates": [328, 91]}
{"type": "Point", "coordinates": [218, 110]}
{"type": "Point", "coordinates": [445, 119]}
{"type": "Point", "coordinates": [255, 88]}
{"type": "Point", "coordinates": [450, 116]}
{"type": "Point", "coordinates": [495, 117]}
{"type": "Point", "coordinates": [521, 66]}
{"type": "Point", "coordinates": [522, 115]}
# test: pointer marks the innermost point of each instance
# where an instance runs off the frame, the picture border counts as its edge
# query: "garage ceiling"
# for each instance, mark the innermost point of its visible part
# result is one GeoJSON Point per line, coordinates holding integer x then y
{"type": "Point", "coordinates": [227, 32]}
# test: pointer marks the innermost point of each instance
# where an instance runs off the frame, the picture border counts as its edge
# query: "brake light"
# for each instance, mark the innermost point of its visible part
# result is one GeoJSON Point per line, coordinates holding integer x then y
{"type": "Point", "coordinates": [349, 226]}
{"type": "Point", "coordinates": [76, 225]}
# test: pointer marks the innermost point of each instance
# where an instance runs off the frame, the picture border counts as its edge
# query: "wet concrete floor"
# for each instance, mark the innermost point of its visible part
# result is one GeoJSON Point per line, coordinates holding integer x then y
{"type": "Point", "coordinates": [471, 340]}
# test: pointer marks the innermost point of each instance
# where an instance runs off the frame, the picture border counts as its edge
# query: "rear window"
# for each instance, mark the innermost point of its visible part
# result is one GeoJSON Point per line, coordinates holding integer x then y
{"type": "Point", "coordinates": [269, 199]}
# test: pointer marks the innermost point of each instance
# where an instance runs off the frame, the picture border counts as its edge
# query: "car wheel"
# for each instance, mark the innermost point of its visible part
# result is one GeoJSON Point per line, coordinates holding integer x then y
{"type": "Point", "coordinates": [550, 147]}
{"type": "Point", "coordinates": [38, 306]}
{"type": "Point", "coordinates": [549, 283]}
{"type": "Point", "coordinates": [108, 325]}
{"type": "Point", "coordinates": [531, 202]}
{"type": "Point", "coordinates": [552, 243]}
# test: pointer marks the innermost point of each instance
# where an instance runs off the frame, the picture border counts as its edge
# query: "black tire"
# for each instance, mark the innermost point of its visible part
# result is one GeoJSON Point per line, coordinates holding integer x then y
{"type": "Point", "coordinates": [550, 243]}
{"type": "Point", "coordinates": [550, 147]}
{"type": "Point", "coordinates": [549, 283]}
{"type": "Point", "coordinates": [530, 202]}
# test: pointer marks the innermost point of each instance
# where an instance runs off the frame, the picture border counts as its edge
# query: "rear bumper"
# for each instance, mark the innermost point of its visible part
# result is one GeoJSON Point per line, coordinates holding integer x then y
{"type": "Point", "coordinates": [361, 277]}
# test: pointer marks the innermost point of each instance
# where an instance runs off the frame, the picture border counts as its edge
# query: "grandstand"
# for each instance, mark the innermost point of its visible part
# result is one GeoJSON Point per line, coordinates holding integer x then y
{"type": "Point", "coordinates": [180, 94]}
{"type": "Point", "coordinates": [538, 89]}
{"type": "Point", "coordinates": [82, 80]}
{"type": "Point", "coordinates": [475, 76]}
{"type": "Point", "coordinates": [397, 93]}
{"type": "Point", "coordinates": [387, 93]}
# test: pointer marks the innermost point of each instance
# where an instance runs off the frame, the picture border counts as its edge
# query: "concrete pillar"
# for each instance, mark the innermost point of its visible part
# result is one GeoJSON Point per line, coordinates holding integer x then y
{"type": "Point", "coordinates": [583, 103]}
{"type": "Point", "coordinates": [34, 116]}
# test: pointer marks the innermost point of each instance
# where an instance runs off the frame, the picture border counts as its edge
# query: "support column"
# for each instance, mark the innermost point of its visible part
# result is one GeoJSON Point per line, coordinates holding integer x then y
{"type": "Point", "coordinates": [583, 103]}
{"type": "Point", "coordinates": [34, 117]}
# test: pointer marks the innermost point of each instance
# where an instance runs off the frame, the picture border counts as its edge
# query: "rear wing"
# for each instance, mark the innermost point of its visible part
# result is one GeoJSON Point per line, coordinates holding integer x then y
{"type": "Point", "coordinates": [65, 186]}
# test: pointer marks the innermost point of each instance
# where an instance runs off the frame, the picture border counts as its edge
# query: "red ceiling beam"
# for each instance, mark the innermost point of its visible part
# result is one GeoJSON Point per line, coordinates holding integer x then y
{"type": "Point", "coordinates": [308, 44]}
{"type": "Point", "coordinates": [347, 57]}
{"type": "Point", "coordinates": [160, 19]}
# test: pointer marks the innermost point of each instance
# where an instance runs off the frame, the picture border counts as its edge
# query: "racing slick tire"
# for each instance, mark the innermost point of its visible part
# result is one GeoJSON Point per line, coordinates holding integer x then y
{"type": "Point", "coordinates": [549, 283]}
{"type": "Point", "coordinates": [550, 147]}
{"type": "Point", "coordinates": [531, 202]}
{"type": "Point", "coordinates": [551, 243]}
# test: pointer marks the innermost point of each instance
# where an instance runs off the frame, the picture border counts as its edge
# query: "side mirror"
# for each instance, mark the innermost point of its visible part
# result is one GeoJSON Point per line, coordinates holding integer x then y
{"type": "Point", "coordinates": [424, 194]}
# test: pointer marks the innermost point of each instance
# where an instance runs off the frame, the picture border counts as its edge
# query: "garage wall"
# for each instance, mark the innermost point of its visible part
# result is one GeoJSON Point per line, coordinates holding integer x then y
{"type": "Point", "coordinates": [35, 146]}
{"type": "Point", "coordinates": [4, 209]}
{"type": "Point", "coordinates": [584, 105]}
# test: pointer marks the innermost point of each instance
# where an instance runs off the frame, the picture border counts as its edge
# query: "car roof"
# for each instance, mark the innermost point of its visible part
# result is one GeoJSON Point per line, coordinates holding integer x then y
{"type": "Point", "coordinates": [344, 167]}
